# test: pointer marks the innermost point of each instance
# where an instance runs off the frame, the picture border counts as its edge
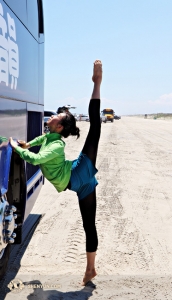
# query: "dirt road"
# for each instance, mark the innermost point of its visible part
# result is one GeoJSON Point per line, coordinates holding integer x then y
{"type": "Point", "coordinates": [134, 222]}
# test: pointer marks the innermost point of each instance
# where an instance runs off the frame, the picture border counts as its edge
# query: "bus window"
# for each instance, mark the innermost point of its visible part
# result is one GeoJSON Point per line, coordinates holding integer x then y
{"type": "Point", "coordinates": [19, 8]}
{"type": "Point", "coordinates": [108, 111]}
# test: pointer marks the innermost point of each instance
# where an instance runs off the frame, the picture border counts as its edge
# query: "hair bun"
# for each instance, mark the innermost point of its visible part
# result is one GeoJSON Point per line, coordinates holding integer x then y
{"type": "Point", "coordinates": [69, 126]}
{"type": "Point", "coordinates": [75, 131]}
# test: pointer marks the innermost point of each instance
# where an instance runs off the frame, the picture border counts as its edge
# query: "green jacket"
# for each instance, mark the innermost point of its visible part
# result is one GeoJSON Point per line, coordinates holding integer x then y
{"type": "Point", "coordinates": [51, 158]}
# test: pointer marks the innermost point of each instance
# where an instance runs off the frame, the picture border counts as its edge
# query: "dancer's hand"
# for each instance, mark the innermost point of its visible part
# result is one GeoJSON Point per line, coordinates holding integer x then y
{"type": "Point", "coordinates": [97, 72]}
{"type": "Point", "coordinates": [13, 143]}
{"type": "Point", "coordinates": [23, 144]}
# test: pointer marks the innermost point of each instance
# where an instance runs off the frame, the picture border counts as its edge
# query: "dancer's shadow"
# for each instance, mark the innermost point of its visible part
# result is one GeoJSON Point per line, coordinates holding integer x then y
{"type": "Point", "coordinates": [84, 294]}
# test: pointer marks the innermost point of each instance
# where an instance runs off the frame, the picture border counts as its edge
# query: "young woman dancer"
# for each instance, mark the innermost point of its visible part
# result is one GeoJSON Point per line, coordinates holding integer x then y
{"type": "Point", "coordinates": [77, 175]}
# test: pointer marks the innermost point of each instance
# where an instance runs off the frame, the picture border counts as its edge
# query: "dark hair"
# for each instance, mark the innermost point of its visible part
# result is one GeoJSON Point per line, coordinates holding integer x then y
{"type": "Point", "coordinates": [69, 126]}
{"type": "Point", "coordinates": [62, 109]}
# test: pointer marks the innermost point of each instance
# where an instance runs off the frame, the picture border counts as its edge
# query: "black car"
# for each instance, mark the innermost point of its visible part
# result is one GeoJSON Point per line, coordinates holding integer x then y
{"type": "Point", "coordinates": [117, 117]}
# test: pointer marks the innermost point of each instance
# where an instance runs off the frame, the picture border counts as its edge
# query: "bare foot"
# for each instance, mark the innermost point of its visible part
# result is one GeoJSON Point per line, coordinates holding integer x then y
{"type": "Point", "coordinates": [88, 276]}
{"type": "Point", "coordinates": [97, 72]}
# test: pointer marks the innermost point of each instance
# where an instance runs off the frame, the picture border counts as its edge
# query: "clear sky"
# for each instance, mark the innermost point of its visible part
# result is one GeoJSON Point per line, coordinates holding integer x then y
{"type": "Point", "coordinates": [133, 38]}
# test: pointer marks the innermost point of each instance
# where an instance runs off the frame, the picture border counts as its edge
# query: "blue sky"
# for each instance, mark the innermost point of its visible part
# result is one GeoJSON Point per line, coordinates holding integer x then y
{"type": "Point", "coordinates": [132, 38]}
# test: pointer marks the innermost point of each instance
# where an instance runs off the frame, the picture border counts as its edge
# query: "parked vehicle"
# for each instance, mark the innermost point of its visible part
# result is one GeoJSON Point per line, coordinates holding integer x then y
{"type": "Point", "coordinates": [46, 128]}
{"type": "Point", "coordinates": [21, 114]}
{"type": "Point", "coordinates": [76, 116]}
{"type": "Point", "coordinates": [117, 117]}
{"type": "Point", "coordinates": [103, 118]}
{"type": "Point", "coordinates": [82, 117]}
{"type": "Point", "coordinates": [109, 113]}
{"type": "Point", "coordinates": [49, 113]}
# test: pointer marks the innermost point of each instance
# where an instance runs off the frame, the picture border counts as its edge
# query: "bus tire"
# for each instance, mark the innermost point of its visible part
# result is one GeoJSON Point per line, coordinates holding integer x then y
{"type": "Point", "coordinates": [4, 261]}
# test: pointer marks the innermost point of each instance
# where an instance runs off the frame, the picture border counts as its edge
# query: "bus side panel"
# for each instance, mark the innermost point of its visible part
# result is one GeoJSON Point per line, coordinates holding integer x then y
{"type": "Point", "coordinates": [41, 74]}
{"type": "Point", "coordinates": [21, 85]}
{"type": "Point", "coordinates": [12, 123]}
{"type": "Point", "coordinates": [13, 119]}
{"type": "Point", "coordinates": [19, 53]}
{"type": "Point", "coordinates": [34, 185]}
{"type": "Point", "coordinates": [31, 201]}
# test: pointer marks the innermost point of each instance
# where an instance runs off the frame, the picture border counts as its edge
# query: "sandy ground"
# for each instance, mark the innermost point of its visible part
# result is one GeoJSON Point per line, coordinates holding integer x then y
{"type": "Point", "coordinates": [134, 221]}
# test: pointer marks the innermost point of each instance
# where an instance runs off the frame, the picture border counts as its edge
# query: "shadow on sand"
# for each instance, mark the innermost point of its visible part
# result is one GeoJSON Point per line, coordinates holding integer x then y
{"type": "Point", "coordinates": [17, 252]}
{"type": "Point", "coordinates": [38, 293]}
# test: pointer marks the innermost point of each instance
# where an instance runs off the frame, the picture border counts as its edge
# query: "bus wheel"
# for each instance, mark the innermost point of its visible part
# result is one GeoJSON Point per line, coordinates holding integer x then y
{"type": "Point", "coordinates": [7, 234]}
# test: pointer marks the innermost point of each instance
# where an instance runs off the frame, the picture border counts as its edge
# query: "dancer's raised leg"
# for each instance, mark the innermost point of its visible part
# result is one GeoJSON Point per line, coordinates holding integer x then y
{"type": "Point", "coordinates": [91, 143]}
{"type": "Point", "coordinates": [88, 204]}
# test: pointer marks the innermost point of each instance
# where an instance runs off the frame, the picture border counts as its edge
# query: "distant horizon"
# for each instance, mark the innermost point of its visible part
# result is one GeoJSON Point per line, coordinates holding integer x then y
{"type": "Point", "coordinates": [136, 114]}
{"type": "Point", "coordinates": [155, 113]}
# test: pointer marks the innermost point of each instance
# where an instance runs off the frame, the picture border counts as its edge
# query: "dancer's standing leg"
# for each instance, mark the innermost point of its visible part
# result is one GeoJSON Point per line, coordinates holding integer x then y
{"type": "Point", "coordinates": [88, 204]}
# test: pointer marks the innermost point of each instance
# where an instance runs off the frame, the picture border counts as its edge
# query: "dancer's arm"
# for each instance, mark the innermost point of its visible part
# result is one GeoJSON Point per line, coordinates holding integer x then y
{"type": "Point", "coordinates": [52, 151]}
{"type": "Point", "coordinates": [26, 145]}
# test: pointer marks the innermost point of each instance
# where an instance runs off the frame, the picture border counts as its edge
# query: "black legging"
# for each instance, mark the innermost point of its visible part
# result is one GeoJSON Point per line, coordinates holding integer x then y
{"type": "Point", "coordinates": [88, 204]}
